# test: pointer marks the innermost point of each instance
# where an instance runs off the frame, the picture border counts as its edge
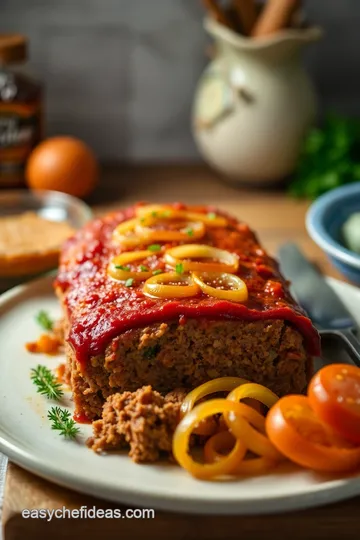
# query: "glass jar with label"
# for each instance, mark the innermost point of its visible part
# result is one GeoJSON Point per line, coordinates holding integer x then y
{"type": "Point", "coordinates": [20, 110]}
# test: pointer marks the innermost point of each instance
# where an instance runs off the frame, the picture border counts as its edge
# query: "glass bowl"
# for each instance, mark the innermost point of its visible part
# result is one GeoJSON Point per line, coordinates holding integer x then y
{"type": "Point", "coordinates": [50, 205]}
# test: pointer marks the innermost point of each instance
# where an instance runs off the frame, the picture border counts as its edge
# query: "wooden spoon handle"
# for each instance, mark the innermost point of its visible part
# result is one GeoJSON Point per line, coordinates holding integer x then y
{"type": "Point", "coordinates": [217, 13]}
{"type": "Point", "coordinates": [275, 16]}
{"type": "Point", "coordinates": [246, 12]}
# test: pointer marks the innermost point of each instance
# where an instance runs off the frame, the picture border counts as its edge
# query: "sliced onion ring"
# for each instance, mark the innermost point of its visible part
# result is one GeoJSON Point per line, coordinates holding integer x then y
{"type": "Point", "coordinates": [184, 430]}
{"type": "Point", "coordinates": [189, 230]}
{"type": "Point", "coordinates": [228, 262]}
{"type": "Point", "coordinates": [238, 294]}
{"type": "Point", "coordinates": [167, 212]}
{"type": "Point", "coordinates": [123, 259]}
{"type": "Point", "coordinates": [156, 286]}
{"type": "Point", "coordinates": [124, 234]}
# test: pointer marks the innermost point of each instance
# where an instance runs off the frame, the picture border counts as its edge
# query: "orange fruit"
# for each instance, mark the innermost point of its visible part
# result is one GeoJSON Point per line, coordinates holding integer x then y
{"type": "Point", "coordinates": [62, 164]}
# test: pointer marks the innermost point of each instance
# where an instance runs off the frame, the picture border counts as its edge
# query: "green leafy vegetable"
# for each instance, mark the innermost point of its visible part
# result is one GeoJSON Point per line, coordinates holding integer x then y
{"type": "Point", "coordinates": [129, 282]}
{"type": "Point", "coordinates": [43, 319]}
{"type": "Point", "coordinates": [190, 232]}
{"type": "Point", "coordinates": [157, 272]}
{"type": "Point", "coordinates": [154, 247]}
{"type": "Point", "coordinates": [143, 268]}
{"type": "Point", "coordinates": [179, 268]}
{"type": "Point", "coordinates": [330, 158]}
{"type": "Point", "coordinates": [62, 422]}
{"type": "Point", "coordinates": [46, 382]}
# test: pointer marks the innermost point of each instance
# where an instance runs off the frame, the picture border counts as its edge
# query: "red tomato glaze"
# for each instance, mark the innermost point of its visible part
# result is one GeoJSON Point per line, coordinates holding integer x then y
{"type": "Point", "coordinates": [100, 308]}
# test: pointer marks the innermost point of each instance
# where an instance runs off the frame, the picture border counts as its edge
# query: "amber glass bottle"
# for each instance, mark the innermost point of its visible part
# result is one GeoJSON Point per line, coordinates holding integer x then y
{"type": "Point", "coordinates": [20, 110]}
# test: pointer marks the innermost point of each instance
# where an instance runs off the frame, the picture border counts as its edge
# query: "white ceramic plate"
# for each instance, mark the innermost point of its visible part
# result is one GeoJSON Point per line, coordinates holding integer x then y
{"type": "Point", "coordinates": [26, 437]}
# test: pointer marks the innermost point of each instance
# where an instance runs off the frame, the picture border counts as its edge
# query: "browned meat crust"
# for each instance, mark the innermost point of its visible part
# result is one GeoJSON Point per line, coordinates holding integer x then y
{"type": "Point", "coordinates": [173, 355]}
{"type": "Point", "coordinates": [143, 420]}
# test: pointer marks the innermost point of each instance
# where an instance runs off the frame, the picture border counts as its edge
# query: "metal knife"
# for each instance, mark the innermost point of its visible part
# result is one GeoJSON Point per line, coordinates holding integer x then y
{"type": "Point", "coordinates": [319, 300]}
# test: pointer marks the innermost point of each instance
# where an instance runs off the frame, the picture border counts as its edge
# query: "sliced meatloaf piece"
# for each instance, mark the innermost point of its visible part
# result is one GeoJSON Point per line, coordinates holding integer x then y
{"type": "Point", "coordinates": [120, 339]}
{"type": "Point", "coordinates": [171, 355]}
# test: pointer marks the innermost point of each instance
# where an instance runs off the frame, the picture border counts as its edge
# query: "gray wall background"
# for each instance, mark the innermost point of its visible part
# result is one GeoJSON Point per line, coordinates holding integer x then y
{"type": "Point", "coordinates": [120, 74]}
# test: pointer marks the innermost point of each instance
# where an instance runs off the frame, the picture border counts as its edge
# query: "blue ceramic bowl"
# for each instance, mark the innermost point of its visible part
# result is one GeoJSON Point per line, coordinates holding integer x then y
{"type": "Point", "coordinates": [324, 222]}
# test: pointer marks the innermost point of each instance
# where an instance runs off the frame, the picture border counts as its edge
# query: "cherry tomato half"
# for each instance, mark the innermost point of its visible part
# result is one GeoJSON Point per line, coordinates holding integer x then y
{"type": "Point", "coordinates": [296, 431]}
{"type": "Point", "coordinates": [334, 395]}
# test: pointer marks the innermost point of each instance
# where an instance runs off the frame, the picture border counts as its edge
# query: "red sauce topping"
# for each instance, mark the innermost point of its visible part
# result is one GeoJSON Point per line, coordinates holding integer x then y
{"type": "Point", "coordinates": [101, 308]}
{"type": "Point", "coordinates": [81, 418]}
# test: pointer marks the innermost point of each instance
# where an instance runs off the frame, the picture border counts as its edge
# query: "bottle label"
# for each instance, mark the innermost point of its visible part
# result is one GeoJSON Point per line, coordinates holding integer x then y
{"type": "Point", "coordinates": [20, 131]}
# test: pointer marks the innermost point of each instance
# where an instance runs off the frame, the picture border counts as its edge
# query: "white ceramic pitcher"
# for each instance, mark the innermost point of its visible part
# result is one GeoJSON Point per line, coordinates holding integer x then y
{"type": "Point", "coordinates": [254, 104]}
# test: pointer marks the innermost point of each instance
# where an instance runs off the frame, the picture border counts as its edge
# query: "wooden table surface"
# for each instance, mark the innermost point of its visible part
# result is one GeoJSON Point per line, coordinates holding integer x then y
{"type": "Point", "coordinates": [277, 219]}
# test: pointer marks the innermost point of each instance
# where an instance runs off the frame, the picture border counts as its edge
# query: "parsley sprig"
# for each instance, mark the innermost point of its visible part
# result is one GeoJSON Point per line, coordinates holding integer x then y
{"type": "Point", "coordinates": [62, 422]}
{"type": "Point", "coordinates": [330, 158]}
{"type": "Point", "coordinates": [154, 247]}
{"type": "Point", "coordinates": [43, 319]}
{"type": "Point", "coordinates": [46, 382]}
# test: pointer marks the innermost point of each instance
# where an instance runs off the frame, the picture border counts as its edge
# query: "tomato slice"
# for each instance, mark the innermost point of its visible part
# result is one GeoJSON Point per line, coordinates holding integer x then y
{"type": "Point", "coordinates": [334, 395]}
{"type": "Point", "coordinates": [298, 433]}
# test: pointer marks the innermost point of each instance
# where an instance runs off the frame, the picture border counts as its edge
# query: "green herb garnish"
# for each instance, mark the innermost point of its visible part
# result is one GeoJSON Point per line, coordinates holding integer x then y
{"type": "Point", "coordinates": [211, 215]}
{"type": "Point", "coordinates": [154, 214]}
{"type": "Point", "coordinates": [154, 247]}
{"type": "Point", "coordinates": [121, 267]}
{"type": "Point", "coordinates": [62, 422]}
{"type": "Point", "coordinates": [330, 158]}
{"type": "Point", "coordinates": [179, 268]}
{"type": "Point", "coordinates": [143, 268]}
{"type": "Point", "coordinates": [157, 272]}
{"type": "Point", "coordinates": [151, 352]}
{"type": "Point", "coordinates": [46, 382]}
{"type": "Point", "coordinates": [129, 282]}
{"type": "Point", "coordinates": [190, 232]}
{"type": "Point", "coordinates": [166, 213]}
{"type": "Point", "coordinates": [43, 319]}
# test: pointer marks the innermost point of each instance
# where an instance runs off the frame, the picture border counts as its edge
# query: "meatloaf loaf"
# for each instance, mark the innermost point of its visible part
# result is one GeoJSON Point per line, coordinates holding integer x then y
{"type": "Point", "coordinates": [120, 339]}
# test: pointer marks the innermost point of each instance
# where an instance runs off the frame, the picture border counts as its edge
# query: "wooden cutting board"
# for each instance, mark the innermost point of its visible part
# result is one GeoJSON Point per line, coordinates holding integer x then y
{"type": "Point", "coordinates": [23, 490]}
{"type": "Point", "coordinates": [277, 219]}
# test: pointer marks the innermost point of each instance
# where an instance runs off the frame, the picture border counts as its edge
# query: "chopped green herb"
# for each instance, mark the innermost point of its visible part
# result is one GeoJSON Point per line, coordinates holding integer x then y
{"type": "Point", "coordinates": [154, 214]}
{"type": "Point", "coordinates": [157, 272]}
{"type": "Point", "coordinates": [43, 319]}
{"type": "Point", "coordinates": [211, 215]}
{"type": "Point", "coordinates": [151, 352]}
{"type": "Point", "coordinates": [166, 214]}
{"type": "Point", "coordinates": [46, 382]}
{"type": "Point", "coordinates": [129, 282]}
{"type": "Point", "coordinates": [143, 268]}
{"type": "Point", "coordinates": [142, 220]}
{"type": "Point", "coordinates": [179, 268]}
{"type": "Point", "coordinates": [190, 232]}
{"type": "Point", "coordinates": [154, 247]}
{"type": "Point", "coordinates": [62, 422]}
{"type": "Point", "coordinates": [121, 267]}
